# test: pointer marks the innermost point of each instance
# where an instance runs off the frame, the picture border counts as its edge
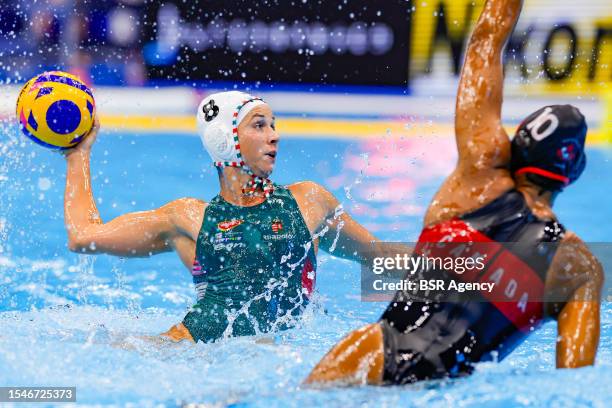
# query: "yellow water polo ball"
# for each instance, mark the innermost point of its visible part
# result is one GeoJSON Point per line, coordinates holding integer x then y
{"type": "Point", "coordinates": [56, 110]}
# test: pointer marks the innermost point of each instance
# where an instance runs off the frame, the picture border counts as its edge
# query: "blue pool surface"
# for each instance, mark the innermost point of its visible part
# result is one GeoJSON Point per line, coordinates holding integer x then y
{"type": "Point", "coordinates": [70, 320]}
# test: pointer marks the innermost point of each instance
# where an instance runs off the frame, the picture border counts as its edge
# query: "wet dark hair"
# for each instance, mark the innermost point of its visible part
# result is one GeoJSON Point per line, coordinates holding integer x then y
{"type": "Point", "coordinates": [548, 147]}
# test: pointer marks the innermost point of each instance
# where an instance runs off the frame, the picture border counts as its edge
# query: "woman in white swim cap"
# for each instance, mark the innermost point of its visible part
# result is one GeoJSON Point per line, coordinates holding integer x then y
{"type": "Point", "coordinates": [251, 225]}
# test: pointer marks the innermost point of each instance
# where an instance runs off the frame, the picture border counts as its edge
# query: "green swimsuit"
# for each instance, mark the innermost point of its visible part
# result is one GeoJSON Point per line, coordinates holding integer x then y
{"type": "Point", "coordinates": [254, 268]}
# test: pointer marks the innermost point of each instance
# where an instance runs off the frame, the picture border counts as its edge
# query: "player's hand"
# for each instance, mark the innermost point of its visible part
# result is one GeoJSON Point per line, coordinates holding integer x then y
{"type": "Point", "coordinates": [85, 145]}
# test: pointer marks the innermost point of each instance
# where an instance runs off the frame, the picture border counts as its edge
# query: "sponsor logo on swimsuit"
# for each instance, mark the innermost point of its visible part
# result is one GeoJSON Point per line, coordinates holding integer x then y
{"type": "Point", "coordinates": [277, 225]}
{"type": "Point", "coordinates": [230, 246]}
{"type": "Point", "coordinates": [222, 238]}
{"type": "Point", "coordinates": [278, 237]}
{"type": "Point", "coordinates": [228, 225]}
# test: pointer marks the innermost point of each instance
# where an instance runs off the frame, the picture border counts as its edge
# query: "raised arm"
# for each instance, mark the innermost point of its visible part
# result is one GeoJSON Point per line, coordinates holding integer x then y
{"type": "Point", "coordinates": [137, 234]}
{"type": "Point", "coordinates": [481, 140]}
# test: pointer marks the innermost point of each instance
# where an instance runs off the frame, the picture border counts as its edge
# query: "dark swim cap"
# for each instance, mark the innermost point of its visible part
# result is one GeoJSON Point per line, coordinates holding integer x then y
{"type": "Point", "coordinates": [549, 147]}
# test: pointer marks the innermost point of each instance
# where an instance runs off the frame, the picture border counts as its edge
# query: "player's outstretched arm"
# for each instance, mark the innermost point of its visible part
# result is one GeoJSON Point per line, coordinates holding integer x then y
{"type": "Point", "coordinates": [130, 235]}
{"type": "Point", "coordinates": [481, 140]}
{"type": "Point", "coordinates": [338, 233]}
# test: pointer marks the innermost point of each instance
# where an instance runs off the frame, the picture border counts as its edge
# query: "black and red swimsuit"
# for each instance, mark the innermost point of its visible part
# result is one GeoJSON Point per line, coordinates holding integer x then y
{"type": "Point", "coordinates": [426, 340]}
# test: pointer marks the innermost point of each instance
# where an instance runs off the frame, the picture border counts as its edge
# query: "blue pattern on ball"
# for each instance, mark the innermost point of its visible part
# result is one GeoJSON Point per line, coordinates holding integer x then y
{"type": "Point", "coordinates": [63, 117]}
{"type": "Point", "coordinates": [64, 80]}
{"type": "Point", "coordinates": [43, 92]}
{"type": "Point", "coordinates": [40, 142]}
{"type": "Point", "coordinates": [32, 121]}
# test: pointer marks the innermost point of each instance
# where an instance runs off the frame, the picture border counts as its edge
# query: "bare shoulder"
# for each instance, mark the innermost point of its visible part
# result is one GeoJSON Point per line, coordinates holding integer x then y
{"type": "Point", "coordinates": [312, 194]}
{"type": "Point", "coordinates": [466, 190]}
{"type": "Point", "coordinates": [309, 189]}
{"type": "Point", "coordinates": [574, 265]}
{"type": "Point", "coordinates": [314, 201]}
{"type": "Point", "coordinates": [305, 187]}
{"type": "Point", "coordinates": [574, 252]}
{"type": "Point", "coordinates": [184, 205]}
{"type": "Point", "coordinates": [188, 202]}
{"type": "Point", "coordinates": [186, 214]}
{"type": "Point", "coordinates": [574, 247]}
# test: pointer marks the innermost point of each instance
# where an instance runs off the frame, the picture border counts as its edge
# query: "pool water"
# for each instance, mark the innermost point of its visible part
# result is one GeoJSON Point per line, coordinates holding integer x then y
{"type": "Point", "coordinates": [70, 320]}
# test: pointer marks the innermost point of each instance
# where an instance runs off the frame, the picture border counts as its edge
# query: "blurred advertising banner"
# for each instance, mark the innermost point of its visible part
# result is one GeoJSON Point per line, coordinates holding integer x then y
{"type": "Point", "coordinates": [334, 42]}
{"type": "Point", "coordinates": [557, 46]}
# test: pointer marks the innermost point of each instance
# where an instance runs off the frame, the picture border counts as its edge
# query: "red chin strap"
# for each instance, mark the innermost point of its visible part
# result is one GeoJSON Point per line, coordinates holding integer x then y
{"type": "Point", "coordinates": [544, 173]}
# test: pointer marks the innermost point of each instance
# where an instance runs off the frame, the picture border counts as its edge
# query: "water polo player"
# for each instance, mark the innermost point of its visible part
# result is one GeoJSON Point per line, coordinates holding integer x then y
{"type": "Point", "coordinates": [500, 191]}
{"type": "Point", "coordinates": [251, 249]}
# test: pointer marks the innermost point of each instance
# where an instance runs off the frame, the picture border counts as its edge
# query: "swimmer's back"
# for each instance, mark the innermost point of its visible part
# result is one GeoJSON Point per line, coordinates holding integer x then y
{"type": "Point", "coordinates": [435, 339]}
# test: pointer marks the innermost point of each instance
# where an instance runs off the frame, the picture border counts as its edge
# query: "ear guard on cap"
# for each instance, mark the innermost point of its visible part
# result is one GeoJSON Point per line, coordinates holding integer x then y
{"type": "Point", "coordinates": [216, 137]}
{"type": "Point", "coordinates": [218, 117]}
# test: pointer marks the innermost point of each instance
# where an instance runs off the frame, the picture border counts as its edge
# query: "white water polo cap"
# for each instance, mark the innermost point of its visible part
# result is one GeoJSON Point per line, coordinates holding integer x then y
{"type": "Point", "coordinates": [218, 117]}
